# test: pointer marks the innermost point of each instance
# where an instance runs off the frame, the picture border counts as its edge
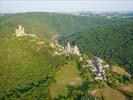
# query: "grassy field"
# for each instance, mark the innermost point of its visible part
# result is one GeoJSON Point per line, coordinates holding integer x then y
{"type": "Point", "coordinates": [109, 94]}
{"type": "Point", "coordinates": [120, 70]}
{"type": "Point", "coordinates": [127, 89]}
{"type": "Point", "coordinates": [67, 75]}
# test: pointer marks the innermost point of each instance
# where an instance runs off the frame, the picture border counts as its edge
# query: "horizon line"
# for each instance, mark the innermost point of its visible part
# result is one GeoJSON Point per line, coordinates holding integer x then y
{"type": "Point", "coordinates": [84, 11]}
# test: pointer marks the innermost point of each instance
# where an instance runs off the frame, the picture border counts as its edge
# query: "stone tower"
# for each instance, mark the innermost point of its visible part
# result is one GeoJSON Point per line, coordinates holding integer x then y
{"type": "Point", "coordinates": [68, 48]}
{"type": "Point", "coordinates": [76, 50]}
{"type": "Point", "coordinates": [72, 49]}
{"type": "Point", "coordinates": [19, 31]}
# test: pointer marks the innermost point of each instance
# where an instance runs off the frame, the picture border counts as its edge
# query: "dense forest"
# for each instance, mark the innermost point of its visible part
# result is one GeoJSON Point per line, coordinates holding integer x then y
{"type": "Point", "coordinates": [112, 42]}
{"type": "Point", "coordinates": [24, 67]}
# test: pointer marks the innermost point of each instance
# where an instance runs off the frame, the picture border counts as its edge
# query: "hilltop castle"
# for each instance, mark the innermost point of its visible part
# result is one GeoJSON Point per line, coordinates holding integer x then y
{"type": "Point", "coordinates": [20, 31]}
{"type": "Point", "coordinates": [71, 49]}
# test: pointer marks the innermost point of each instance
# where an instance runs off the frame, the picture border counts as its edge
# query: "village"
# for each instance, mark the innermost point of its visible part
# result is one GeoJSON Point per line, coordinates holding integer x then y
{"type": "Point", "coordinates": [97, 65]}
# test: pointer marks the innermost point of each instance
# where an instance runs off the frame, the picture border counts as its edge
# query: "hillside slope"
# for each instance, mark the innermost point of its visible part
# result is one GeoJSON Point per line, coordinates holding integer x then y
{"type": "Point", "coordinates": [113, 43]}
{"type": "Point", "coordinates": [26, 68]}
{"type": "Point", "coordinates": [46, 23]}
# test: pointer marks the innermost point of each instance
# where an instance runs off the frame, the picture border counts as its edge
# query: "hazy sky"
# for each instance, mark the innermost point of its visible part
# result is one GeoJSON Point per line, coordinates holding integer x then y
{"type": "Point", "coordinates": [13, 6]}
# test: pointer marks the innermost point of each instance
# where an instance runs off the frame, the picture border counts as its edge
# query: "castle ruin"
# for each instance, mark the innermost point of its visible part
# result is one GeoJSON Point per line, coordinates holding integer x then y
{"type": "Point", "coordinates": [20, 31]}
{"type": "Point", "coordinates": [71, 49]}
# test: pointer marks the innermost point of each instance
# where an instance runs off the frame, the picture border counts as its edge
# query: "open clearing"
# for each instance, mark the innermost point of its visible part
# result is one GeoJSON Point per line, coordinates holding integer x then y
{"type": "Point", "coordinates": [120, 70]}
{"type": "Point", "coordinates": [127, 89]}
{"type": "Point", "coordinates": [109, 94]}
{"type": "Point", "coordinates": [67, 75]}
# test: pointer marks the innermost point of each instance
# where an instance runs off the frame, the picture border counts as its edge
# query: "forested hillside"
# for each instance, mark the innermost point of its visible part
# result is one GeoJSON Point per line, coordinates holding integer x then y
{"type": "Point", "coordinates": [46, 23]}
{"type": "Point", "coordinates": [113, 43]}
{"type": "Point", "coordinates": [26, 68]}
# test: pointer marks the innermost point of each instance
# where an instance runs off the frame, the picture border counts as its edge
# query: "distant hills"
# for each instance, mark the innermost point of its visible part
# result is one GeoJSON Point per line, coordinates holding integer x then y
{"type": "Point", "coordinates": [111, 13]}
{"type": "Point", "coordinates": [48, 23]}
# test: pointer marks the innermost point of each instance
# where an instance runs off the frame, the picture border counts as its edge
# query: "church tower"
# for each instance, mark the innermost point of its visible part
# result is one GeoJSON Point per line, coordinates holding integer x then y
{"type": "Point", "coordinates": [76, 50]}
{"type": "Point", "coordinates": [68, 48]}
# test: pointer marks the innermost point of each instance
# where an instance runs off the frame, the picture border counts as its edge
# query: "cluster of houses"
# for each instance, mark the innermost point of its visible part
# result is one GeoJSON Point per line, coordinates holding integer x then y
{"type": "Point", "coordinates": [58, 49]}
{"type": "Point", "coordinates": [98, 66]}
